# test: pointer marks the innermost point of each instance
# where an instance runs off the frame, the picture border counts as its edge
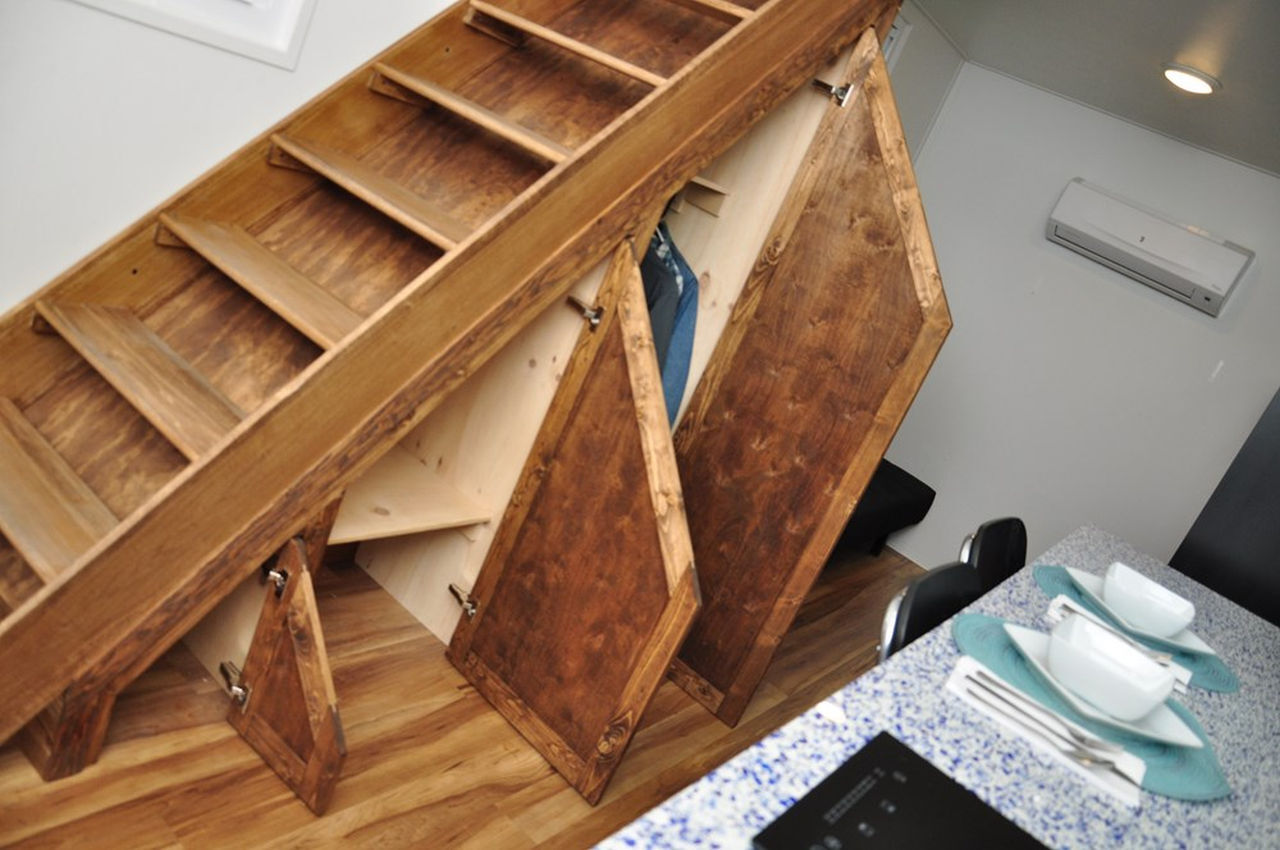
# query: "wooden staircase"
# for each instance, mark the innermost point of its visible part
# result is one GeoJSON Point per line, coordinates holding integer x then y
{"type": "Point", "coordinates": [185, 401]}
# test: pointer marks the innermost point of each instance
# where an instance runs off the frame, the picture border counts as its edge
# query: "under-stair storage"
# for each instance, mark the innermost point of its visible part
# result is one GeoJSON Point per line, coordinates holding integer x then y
{"type": "Point", "coordinates": [409, 317]}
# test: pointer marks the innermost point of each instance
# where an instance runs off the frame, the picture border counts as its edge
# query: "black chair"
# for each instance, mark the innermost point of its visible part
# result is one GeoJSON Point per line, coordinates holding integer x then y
{"type": "Point", "coordinates": [893, 500]}
{"type": "Point", "coordinates": [996, 550]}
{"type": "Point", "coordinates": [926, 602]}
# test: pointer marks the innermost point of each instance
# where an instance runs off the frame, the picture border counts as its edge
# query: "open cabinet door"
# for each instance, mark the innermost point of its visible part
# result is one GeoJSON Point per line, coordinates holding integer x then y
{"type": "Point", "coordinates": [589, 586]}
{"type": "Point", "coordinates": [285, 706]}
{"type": "Point", "coordinates": [831, 338]}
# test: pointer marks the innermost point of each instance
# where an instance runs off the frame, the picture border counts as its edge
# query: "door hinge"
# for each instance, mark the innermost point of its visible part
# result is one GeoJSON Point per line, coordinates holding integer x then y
{"type": "Point", "coordinates": [469, 605]}
{"type": "Point", "coordinates": [840, 94]}
{"type": "Point", "coordinates": [240, 690]}
{"type": "Point", "coordinates": [277, 577]}
{"type": "Point", "coordinates": [593, 315]}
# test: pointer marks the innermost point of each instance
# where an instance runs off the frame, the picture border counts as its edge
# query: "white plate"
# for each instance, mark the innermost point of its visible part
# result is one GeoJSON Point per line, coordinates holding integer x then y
{"type": "Point", "coordinates": [1160, 725]}
{"type": "Point", "coordinates": [1091, 586]}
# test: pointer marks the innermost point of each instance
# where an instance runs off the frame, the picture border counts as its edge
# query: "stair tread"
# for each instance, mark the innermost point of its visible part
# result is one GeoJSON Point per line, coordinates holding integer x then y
{"type": "Point", "coordinates": [391, 198]}
{"type": "Point", "coordinates": [164, 388]}
{"type": "Point", "coordinates": [400, 495]}
{"type": "Point", "coordinates": [586, 51]}
{"type": "Point", "coordinates": [47, 512]}
{"type": "Point", "coordinates": [721, 9]}
{"type": "Point", "coordinates": [470, 110]}
{"type": "Point", "coordinates": [296, 298]}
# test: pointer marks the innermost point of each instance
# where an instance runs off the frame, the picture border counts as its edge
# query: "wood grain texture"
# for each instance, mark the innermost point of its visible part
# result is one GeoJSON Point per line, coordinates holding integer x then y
{"type": "Point", "coordinates": [396, 83]}
{"type": "Point", "coordinates": [431, 764]}
{"type": "Point", "coordinates": [117, 452]}
{"type": "Point", "coordinates": [164, 388]}
{"type": "Point", "coordinates": [653, 34]}
{"type": "Point", "coordinates": [586, 51]}
{"type": "Point", "coordinates": [18, 582]}
{"type": "Point", "coordinates": [296, 298]}
{"type": "Point", "coordinates": [721, 9]}
{"type": "Point", "coordinates": [588, 588]}
{"type": "Point", "coordinates": [223, 515]}
{"type": "Point", "coordinates": [291, 715]}
{"type": "Point", "coordinates": [831, 339]}
{"type": "Point", "coordinates": [399, 495]}
{"type": "Point", "coordinates": [342, 244]}
{"type": "Point", "coordinates": [69, 734]}
{"type": "Point", "coordinates": [413, 211]}
{"type": "Point", "coordinates": [48, 513]}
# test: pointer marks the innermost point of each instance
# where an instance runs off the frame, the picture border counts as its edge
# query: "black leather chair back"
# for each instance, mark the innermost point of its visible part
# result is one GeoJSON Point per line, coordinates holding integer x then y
{"type": "Point", "coordinates": [926, 602]}
{"type": "Point", "coordinates": [997, 550]}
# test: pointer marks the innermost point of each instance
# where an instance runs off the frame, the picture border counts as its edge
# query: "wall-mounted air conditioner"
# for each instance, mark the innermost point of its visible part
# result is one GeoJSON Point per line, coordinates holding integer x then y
{"type": "Point", "coordinates": [1182, 261]}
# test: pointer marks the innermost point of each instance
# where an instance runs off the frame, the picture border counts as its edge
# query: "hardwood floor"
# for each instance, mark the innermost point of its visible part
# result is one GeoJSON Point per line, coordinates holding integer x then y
{"type": "Point", "coordinates": [430, 764]}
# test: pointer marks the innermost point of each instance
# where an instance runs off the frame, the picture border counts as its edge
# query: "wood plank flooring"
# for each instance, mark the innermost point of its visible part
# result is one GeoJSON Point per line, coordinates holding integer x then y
{"type": "Point", "coordinates": [431, 764]}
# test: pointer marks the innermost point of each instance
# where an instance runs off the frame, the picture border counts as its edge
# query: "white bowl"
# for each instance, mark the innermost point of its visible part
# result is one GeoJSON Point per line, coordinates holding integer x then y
{"type": "Point", "coordinates": [1103, 669]}
{"type": "Point", "coordinates": [1143, 603]}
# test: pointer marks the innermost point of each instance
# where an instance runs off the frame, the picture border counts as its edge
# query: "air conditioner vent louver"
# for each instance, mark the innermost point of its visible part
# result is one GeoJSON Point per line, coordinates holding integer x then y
{"type": "Point", "coordinates": [1183, 262]}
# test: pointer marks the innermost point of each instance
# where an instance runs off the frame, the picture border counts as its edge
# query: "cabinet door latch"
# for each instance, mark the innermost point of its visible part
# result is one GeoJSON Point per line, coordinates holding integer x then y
{"type": "Point", "coordinates": [469, 606]}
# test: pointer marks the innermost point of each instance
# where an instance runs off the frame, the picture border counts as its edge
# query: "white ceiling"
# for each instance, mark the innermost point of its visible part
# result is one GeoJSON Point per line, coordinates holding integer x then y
{"type": "Point", "coordinates": [1108, 54]}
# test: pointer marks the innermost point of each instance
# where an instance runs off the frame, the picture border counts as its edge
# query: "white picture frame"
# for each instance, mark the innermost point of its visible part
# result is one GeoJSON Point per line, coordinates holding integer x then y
{"type": "Point", "coordinates": [270, 31]}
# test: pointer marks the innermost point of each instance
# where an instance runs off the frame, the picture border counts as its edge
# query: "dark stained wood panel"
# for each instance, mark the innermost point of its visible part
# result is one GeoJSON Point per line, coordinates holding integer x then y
{"type": "Point", "coordinates": [588, 587]}
{"type": "Point", "coordinates": [832, 336]}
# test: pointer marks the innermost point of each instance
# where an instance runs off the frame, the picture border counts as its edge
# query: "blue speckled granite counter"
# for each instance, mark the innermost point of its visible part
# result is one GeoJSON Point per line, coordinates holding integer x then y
{"type": "Point", "coordinates": [905, 696]}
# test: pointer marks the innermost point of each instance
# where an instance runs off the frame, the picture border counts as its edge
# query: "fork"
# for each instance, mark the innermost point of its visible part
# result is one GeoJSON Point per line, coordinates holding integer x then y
{"type": "Point", "coordinates": [1086, 756]}
{"type": "Point", "coordinates": [1020, 702]}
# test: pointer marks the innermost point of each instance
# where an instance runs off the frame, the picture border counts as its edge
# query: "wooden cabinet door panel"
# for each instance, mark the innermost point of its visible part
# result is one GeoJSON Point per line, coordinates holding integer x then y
{"type": "Point", "coordinates": [588, 587]}
{"type": "Point", "coordinates": [290, 716]}
{"type": "Point", "coordinates": [829, 342]}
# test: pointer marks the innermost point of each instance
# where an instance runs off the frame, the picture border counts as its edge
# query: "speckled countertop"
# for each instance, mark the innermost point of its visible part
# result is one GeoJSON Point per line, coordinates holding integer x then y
{"type": "Point", "coordinates": [905, 697]}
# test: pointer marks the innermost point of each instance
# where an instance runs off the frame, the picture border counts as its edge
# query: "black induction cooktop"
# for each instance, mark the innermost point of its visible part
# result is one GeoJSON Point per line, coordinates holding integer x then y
{"type": "Point", "coordinates": [887, 796]}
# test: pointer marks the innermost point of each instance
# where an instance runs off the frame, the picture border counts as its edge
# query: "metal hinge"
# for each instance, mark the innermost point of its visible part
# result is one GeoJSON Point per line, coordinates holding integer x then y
{"type": "Point", "coordinates": [277, 577]}
{"type": "Point", "coordinates": [240, 690]}
{"type": "Point", "coordinates": [840, 94]}
{"type": "Point", "coordinates": [593, 315]}
{"type": "Point", "coordinates": [469, 606]}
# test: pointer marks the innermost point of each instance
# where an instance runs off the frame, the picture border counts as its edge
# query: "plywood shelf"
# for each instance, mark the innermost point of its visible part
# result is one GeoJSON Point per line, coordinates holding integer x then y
{"type": "Point", "coordinates": [400, 495]}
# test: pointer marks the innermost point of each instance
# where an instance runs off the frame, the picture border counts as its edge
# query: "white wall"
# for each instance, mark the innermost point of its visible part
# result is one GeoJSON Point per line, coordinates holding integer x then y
{"type": "Point", "coordinates": [1067, 393]}
{"type": "Point", "coordinates": [101, 118]}
{"type": "Point", "coordinates": [922, 75]}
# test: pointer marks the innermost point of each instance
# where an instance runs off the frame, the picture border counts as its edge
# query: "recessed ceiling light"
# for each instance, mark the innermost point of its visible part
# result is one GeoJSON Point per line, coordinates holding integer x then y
{"type": "Point", "coordinates": [1190, 79]}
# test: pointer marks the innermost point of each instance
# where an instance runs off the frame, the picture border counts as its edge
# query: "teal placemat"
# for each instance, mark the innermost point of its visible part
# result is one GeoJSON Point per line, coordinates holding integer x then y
{"type": "Point", "coordinates": [1207, 671]}
{"type": "Point", "coordinates": [1184, 773]}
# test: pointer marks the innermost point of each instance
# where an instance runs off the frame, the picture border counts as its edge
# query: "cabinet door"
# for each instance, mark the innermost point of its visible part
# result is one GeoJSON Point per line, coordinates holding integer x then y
{"type": "Point", "coordinates": [837, 325]}
{"type": "Point", "coordinates": [288, 711]}
{"type": "Point", "coordinates": [589, 585]}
